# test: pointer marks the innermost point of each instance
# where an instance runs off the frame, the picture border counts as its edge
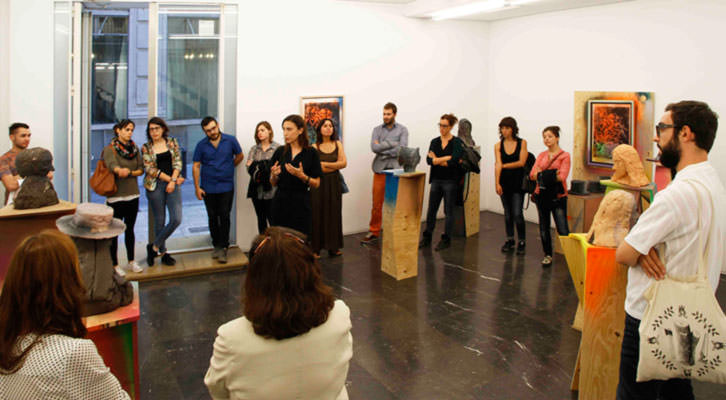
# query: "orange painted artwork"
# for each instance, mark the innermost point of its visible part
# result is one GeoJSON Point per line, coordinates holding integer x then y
{"type": "Point", "coordinates": [316, 109]}
{"type": "Point", "coordinates": [609, 124]}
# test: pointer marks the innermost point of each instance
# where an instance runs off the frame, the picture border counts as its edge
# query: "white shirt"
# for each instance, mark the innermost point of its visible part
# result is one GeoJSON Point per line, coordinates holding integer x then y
{"type": "Point", "coordinates": [314, 365]}
{"type": "Point", "coordinates": [671, 223]}
{"type": "Point", "coordinates": [60, 367]}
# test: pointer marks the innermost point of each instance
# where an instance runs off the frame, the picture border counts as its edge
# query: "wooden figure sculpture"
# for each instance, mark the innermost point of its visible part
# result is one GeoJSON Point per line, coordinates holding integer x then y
{"type": "Point", "coordinates": [612, 219]}
{"type": "Point", "coordinates": [628, 167]}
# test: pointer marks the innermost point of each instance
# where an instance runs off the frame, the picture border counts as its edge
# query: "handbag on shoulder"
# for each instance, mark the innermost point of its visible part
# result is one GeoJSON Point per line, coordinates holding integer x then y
{"type": "Point", "coordinates": [103, 181]}
{"type": "Point", "coordinates": [683, 330]}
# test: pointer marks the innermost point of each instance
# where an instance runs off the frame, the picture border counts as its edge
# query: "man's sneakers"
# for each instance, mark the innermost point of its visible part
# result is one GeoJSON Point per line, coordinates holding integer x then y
{"type": "Point", "coordinates": [370, 238]}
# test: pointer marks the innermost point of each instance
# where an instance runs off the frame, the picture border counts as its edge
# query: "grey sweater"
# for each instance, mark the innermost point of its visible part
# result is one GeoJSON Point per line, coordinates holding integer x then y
{"type": "Point", "coordinates": [126, 186]}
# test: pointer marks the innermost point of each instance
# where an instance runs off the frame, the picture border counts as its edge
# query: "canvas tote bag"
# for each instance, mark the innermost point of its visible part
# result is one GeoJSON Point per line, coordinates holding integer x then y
{"type": "Point", "coordinates": [103, 181]}
{"type": "Point", "coordinates": [683, 330]}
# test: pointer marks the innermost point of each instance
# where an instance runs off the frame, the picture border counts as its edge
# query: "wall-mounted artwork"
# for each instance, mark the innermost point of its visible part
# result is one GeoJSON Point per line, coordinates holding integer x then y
{"type": "Point", "coordinates": [609, 124]}
{"type": "Point", "coordinates": [317, 108]}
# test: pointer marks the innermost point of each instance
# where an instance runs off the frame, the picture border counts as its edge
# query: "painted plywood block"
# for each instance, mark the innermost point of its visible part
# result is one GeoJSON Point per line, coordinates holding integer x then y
{"type": "Point", "coordinates": [471, 204]}
{"type": "Point", "coordinates": [402, 209]}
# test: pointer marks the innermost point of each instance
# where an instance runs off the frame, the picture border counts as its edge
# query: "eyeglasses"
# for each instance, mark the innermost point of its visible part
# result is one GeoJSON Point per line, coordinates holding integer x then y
{"type": "Point", "coordinates": [661, 127]}
{"type": "Point", "coordinates": [443, 126]}
{"type": "Point", "coordinates": [267, 239]}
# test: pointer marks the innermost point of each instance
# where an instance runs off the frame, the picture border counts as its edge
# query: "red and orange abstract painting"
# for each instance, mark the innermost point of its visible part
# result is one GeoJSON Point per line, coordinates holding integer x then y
{"type": "Point", "coordinates": [609, 124]}
{"type": "Point", "coordinates": [316, 109]}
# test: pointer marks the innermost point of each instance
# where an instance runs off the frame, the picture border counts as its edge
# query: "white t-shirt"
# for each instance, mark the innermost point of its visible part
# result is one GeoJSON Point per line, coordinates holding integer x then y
{"type": "Point", "coordinates": [670, 224]}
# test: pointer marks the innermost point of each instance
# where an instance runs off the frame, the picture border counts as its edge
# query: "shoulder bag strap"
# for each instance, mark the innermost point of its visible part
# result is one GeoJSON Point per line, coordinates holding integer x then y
{"type": "Point", "coordinates": [703, 257]}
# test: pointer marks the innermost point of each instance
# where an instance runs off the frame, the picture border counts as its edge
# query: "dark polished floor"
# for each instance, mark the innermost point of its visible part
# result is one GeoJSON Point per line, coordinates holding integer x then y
{"type": "Point", "coordinates": [474, 324]}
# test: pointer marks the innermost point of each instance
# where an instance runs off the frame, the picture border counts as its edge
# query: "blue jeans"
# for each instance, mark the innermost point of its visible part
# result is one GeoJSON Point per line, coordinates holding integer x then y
{"type": "Point", "coordinates": [446, 190]}
{"type": "Point", "coordinates": [558, 209]}
{"type": "Point", "coordinates": [512, 203]}
{"type": "Point", "coordinates": [159, 199]}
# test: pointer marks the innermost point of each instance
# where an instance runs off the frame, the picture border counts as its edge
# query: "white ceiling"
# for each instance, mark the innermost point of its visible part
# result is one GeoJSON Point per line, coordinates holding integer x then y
{"type": "Point", "coordinates": [424, 8]}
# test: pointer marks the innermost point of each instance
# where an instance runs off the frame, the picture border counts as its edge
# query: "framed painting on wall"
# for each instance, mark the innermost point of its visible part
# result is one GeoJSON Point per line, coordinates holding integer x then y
{"type": "Point", "coordinates": [609, 123]}
{"type": "Point", "coordinates": [317, 108]}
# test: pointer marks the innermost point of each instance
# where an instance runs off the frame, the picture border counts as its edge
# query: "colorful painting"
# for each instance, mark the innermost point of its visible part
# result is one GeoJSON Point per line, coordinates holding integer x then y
{"type": "Point", "coordinates": [316, 109]}
{"type": "Point", "coordinates": [609, 124]}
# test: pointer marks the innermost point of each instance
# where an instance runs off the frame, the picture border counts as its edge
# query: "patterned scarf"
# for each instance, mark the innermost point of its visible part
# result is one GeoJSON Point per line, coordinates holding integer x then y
{"type": "Point", "coordinates": [127, 151]}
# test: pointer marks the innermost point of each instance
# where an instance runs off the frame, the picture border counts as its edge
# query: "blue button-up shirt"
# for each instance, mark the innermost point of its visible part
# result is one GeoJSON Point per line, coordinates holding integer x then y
{"type": "Point", "coordinates": [217, 163]}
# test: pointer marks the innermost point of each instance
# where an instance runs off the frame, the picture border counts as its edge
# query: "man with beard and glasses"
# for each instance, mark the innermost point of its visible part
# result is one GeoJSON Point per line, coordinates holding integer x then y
{"type": "Point", "coordinates": [386, 140]}
{"type": "Point", "coordinates": [215, 158]}
{"type": "Point", "coordinates": [20, 138]}
{"type": "Point", "coordinates": [668, 230]}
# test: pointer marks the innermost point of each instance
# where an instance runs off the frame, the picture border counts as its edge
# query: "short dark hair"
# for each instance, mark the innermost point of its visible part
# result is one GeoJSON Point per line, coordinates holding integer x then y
{"type": "Point", "coordinates": [451, 118]}
{"type": "Point", "coordinates": [554, 129]}
{"type": "Point", "coordinates": [266, 125]}
{"type": "Point", "coordinates": [42, 294]}
{"type": "Point", "coordinates": [698, 116]}
{"type": "Point", "coordinates": [206, 120]}
{"type": "Point", "coordinates": [157, 121]}
{"type": "Point", "coordinates": [15, 126]}
{"type": "Point", "coordinates": [284, 294]}
{"type": "Point", "coordinates": [319, 133]}
{"type": "Point", "coordinates": [391, 106]}
{"type": "Point", "coordinates": [299, 122]}
{"type": "Point", "coordinates": [510, 123]}
{"type": "Point", "coordinates": [122, 124]}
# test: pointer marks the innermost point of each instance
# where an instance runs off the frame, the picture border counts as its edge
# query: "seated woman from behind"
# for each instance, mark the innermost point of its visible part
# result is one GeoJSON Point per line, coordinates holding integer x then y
{"type": "Point", "coordinates": [42, 351]}
{"type": "Point", "coordinates": [294, 340]}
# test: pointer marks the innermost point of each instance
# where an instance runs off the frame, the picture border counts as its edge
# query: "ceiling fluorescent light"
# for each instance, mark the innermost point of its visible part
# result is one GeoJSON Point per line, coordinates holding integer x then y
{"type": "Point", "coordinates": [469, 9]}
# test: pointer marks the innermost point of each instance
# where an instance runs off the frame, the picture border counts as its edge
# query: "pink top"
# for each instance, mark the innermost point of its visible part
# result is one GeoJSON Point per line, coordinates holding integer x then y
{"type": "Point", "coordinates": [561, 164]}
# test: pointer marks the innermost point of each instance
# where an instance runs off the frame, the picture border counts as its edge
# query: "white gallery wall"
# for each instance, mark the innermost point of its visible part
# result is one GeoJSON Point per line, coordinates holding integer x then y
{"type": "Point", "coordinates": [671, 47]}
{"type": "Point", "coordinates": [369, 54]}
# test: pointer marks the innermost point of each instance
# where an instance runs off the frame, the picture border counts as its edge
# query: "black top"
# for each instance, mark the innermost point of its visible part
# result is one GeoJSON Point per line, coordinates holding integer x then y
{"type": "Point", "coordinates": [452, 171]}
{"type": "Point", "coordinates": [511, 179]}
{"type": "Point", "coordinates": [163, 162]}
{"type": "Point", "coordinates": [310, 163]}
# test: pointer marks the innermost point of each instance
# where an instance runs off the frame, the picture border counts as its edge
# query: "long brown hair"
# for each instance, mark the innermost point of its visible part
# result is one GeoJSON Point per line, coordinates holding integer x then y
{"type": "Point", "coordinates": [299, 123]}
{"type": "Point", "coordinates": [284, 293]}
{"type": "Point", "coordinates": [42, 294]}
{"type": "Point", "coordinates": [266, 125]}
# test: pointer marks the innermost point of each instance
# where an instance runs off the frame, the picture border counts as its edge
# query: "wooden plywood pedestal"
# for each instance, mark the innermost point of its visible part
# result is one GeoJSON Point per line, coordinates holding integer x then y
{"type": "Point", "coordinates": [471, 204]}
{"type": "Point", "coordinates": [402, 223]}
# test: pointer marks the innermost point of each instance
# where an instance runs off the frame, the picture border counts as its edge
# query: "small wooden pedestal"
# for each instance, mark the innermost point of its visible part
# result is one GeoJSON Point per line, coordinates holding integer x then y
{"type": "Point", "coordinates": [16, 225]}
{"type": "Point", "coordinates": [115, 336]}
{"type": "Point", "coordinates": [402, 223]}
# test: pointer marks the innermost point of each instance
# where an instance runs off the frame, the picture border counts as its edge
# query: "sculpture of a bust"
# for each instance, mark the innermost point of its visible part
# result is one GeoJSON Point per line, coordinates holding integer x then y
{"type": "Point", "coordinates": [409, 158]}
{"type": "Point", "coordinates": [628, 167]}
{"type": "Point", "coordinates": [464, 132]}
{"type": "Point", "coordinates": [612, 219]}
{"type": "Point", "coordinates": [37, 190]}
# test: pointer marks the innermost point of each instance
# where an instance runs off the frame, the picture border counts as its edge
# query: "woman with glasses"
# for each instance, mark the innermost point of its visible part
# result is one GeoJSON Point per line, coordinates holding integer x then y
{"type": "Point", "coordinates": [294, 339]}
{"type": "Point", "coordinates": [43, 350]}
{"type": "Point", "coordinates": [327, 200]}
{"type": "Point", "coordinates": [163, 165]}
{"type": "Point", "coordinates": [550, 171]}
{"type": "Point", "coordinates": [444, 154]}
{"type": "Point", "coordinates": [511, 155]}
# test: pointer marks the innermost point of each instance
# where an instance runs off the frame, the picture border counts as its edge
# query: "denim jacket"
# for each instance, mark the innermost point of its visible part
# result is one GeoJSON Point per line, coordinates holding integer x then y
{"type": "Point", "coordinates": [150, 167]}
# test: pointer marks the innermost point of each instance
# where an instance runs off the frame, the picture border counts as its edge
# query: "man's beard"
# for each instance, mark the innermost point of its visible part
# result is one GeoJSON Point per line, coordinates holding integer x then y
{"type": "Point", "coordinates": [670, 154]}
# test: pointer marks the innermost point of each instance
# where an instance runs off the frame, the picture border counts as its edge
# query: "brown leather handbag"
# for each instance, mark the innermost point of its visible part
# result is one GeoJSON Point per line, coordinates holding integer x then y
{"type": "Point", "coordinates": [103, 181]}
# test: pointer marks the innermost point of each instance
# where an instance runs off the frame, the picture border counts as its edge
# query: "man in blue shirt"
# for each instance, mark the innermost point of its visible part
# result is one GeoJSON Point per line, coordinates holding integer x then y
{"type": "Point", "coordinates": [215, 158]}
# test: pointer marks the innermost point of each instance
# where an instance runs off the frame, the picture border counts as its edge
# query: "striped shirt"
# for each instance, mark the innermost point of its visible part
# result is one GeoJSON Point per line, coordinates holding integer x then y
{"type": "Point", "coordinates": [671, 225]}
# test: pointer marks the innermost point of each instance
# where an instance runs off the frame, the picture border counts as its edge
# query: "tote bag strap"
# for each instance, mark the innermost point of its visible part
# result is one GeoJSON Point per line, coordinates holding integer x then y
{"type": "Point", "coordinates": [703, 255]}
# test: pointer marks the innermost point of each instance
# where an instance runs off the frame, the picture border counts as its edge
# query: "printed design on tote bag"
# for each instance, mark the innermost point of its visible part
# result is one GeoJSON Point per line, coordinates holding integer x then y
{"type": "Point", "coordinates": [689, 337]}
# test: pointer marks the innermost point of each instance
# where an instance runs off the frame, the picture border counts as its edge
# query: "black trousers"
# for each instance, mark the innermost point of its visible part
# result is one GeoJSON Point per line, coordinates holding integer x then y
{"type": "Point", "coordinates": [629, 389]}
{"type": "Point", "coordinates": [446, 190]}
{"type": "Point", "coordinates": [512, 203]}
{"type": "Point", "coordinates": [219, 206]}
{"type": "Point", "coordinates": [558, 209]}
{"type": "Point", "coordinates": [126, 211]}
{"type": "Point", "coordinates": [263, 209]}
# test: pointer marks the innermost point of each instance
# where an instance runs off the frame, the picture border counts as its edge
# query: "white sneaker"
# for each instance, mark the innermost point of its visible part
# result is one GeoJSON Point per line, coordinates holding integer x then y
{"type": "Point", "coordinates": [547, 261]}
{"type": "Point", "coordinates": [133, 266]}
{"type": "Point", "coordinates": [119, 271]}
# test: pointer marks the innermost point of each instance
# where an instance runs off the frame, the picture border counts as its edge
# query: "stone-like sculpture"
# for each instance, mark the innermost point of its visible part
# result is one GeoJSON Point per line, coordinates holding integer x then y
{"type": "Point", "coordinates": [465, 132]}
{"type": "Point", "coordinates": [409, 158]}
{"type": "Point", "coordinates": [92, 228]}
{"type": "Point", "coordinates": [612, 220]}
{"type": "Point", "coordinates": [628, 167]}
{"type": "Point", "coordinates": [37, 190]}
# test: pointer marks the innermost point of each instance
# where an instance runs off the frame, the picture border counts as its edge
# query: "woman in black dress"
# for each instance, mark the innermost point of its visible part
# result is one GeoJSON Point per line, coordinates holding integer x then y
{"type": "Point", "coordinates": [327, 200]}
{"type": "Point", "coordinates": [511, 155]}
{"type": "Point", "coordinates": [295, 169]}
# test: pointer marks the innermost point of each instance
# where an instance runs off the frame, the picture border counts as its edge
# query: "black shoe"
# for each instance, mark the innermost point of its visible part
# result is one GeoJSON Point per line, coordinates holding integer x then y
{"type": "Point", "coordinates": [150, 254]}
{"type": "Point", "coordinates": [425, 242]}
{"type": "Point", "coordinates": [520, 247]}
{"type": "Point", "coordinates": [166, 259]}
{"type": "Point", "coordinates": [370, 238]}
{"type": "Point", "coordinates": [508, 246]}
{"type": "Point", "coordinates": [445, 243]}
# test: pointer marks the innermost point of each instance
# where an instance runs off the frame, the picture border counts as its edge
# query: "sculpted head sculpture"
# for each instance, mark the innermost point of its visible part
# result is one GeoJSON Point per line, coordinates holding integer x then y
{"type": "Point", "coordinates": [464, 132]}
{"type": "Point", "coordinates": [628, 167]}
{"type": "Point", "coordinates": [409, 158]}
{"type": "Point", "coordinates": [612, 219]}
{"type": "Point", "coordinates": [37, 190]}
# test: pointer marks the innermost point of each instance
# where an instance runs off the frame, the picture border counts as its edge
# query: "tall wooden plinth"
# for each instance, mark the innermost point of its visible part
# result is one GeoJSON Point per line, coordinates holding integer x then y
{"type": "Point", "coordinates": [402, 223]}
{"type": "Point", "coordinates": [16, 225]}
{"type": "Point", "coordinates": [466, 221]}
{"type": "Point", "coordinates": [116, 338]}
{"type": "Point", "coordinates": [600, 283]}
